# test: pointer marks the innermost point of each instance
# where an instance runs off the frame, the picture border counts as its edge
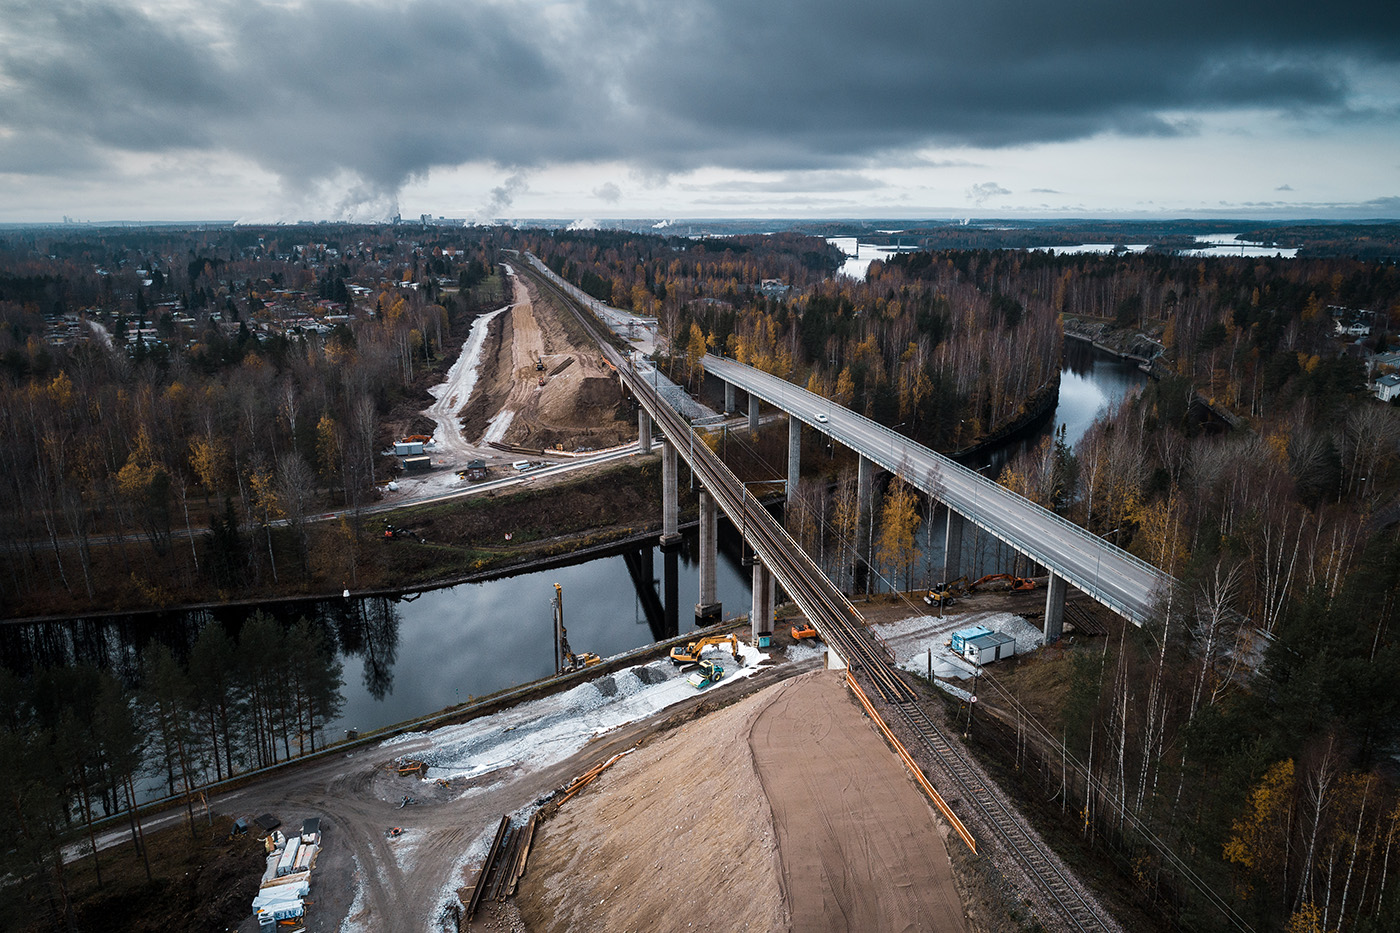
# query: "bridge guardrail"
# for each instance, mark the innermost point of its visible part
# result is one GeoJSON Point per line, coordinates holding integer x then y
{"type": "Point", "coordinates": [775, 390]}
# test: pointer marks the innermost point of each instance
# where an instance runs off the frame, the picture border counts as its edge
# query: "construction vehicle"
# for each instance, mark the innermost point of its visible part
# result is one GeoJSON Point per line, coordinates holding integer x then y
{"type": "Point", "coordinates": [690, 654]}
{"type": "Point", "coordinates": [708, 673]}
{"type": "Point", "coordinates": [417, 439]}
{"type": "Point", "coordinates": [804, 630]}
{"type": "Point", "coordinates": [564, 656]}
{"type": "Point", "coordinates": [940, 598]}
{"type": "Point", "coordinates": [393, 531]}
{"type": "Point", "coordinates": [1015, 582]}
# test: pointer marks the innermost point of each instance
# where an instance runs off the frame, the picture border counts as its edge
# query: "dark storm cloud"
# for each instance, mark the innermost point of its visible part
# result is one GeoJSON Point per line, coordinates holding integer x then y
{"type": "Point", "coordinates": [387, 92]}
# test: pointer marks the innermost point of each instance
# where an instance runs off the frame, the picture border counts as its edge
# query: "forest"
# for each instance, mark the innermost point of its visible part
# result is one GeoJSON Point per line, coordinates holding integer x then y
{"type": "Point", "coordinates": [1234, 759]}
{"type": "Point", "coordinates": [213, 384]}
{"type": "Point", "coordinates": [80, 743]}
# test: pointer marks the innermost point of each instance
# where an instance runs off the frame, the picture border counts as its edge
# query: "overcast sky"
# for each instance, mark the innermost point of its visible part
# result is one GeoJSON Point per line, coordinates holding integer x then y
{"type": "Point", "coordinates": [321, 109]}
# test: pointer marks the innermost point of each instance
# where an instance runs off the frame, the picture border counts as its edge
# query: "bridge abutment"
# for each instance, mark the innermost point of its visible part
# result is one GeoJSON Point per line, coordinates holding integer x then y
{"type": "Point", "coordinates": [643, 430]}
{"type": "Point", "coordinates": [1054, 608]}
{"type": "Point", "coordinates": [708, 609]}
{"type": "Point", "coordinates": [670, 496]}
{"type": "Point", "coordinates": [794, 466]}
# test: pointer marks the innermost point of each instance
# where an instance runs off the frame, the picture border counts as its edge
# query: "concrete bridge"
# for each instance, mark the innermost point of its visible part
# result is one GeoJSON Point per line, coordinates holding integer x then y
{"type": "Point", "coordinates": [1068, 553]}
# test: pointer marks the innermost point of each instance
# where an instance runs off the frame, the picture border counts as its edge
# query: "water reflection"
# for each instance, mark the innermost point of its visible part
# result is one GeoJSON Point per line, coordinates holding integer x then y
{"type": "Point", "coordinates": [418, 653]}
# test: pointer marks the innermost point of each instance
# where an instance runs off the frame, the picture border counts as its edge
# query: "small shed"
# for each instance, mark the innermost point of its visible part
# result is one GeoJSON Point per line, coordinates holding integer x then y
{"type": "Point", "coordinates": [984, 649]}
{"type": "Point", "coordinates": [475, 470]}
{"type": "Point", "coordinates": [311, 830]}
{"type": "Point", "coordinates": [418, 464]}
{"type": "Point", "coordinates": [963, 635]}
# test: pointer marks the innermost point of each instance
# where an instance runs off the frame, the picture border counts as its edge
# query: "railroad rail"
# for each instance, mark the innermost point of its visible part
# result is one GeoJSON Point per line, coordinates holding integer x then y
{"type": "Point", "coordinates": [1034, 856]}
{"type": "Point", "coordinates": [838, 622]}
{"type": "Point", "coordinates": [843, 628]}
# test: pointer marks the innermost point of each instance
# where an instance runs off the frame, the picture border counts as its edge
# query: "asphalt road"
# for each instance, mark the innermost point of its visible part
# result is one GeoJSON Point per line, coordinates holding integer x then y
{"type": "Point", "coordinates": [1100, 569]}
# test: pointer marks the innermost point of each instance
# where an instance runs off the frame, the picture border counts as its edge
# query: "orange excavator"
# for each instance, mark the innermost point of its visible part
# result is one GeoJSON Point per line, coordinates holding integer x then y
{"type": "Point", "coordinates": [1016, 583]}
{"type": "Point", "coordinates": [804, 630]}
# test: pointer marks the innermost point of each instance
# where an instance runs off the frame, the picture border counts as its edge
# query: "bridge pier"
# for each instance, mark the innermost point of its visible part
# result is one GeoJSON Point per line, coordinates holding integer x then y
{"type": "Point", "coordinates": [708, 609]}
{"type": "Point", "coordinates": [794, 458]}
{"type": "Point", "coordinates": [1054, 608]}
{"type": "Point", "coordinates": [764, 592]}
{"type": "Point", "coordinates": [952, 546]}
{"type": "Point", "coordinates": [729, 398]}
{"type": "Point", "coordinates": [670, 496]}
{"type": "Point", "coordinates": [753, 412]}
{"type": "Point", "coordinates": [865, 481]}
{"type": "Point", "coordinates": [643, 430]}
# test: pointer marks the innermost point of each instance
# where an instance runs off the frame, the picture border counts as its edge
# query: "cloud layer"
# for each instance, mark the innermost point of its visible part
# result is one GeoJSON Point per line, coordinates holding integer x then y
{"type": "Point", "coordinates": [379, 94]}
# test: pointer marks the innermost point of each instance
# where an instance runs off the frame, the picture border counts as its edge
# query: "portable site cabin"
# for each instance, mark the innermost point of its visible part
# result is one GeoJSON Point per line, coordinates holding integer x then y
{"type": "Point", "coordinates": [408, 448]}
{"type": "Point", "coordinates": [984, 649]}
{"type": "Point", "coordinates": [418, 464]}
{"type": "Point", "coordinates": [963, 635]}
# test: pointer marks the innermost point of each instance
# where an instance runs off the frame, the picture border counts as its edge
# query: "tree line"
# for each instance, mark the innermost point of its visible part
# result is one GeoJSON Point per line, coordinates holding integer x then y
{"type": "Point", "coordinates": [78, 744]}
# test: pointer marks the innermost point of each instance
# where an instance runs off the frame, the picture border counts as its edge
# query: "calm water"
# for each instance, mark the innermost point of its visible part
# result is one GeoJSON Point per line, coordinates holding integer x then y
{"type": "Point", "coordinates": [410, 656]}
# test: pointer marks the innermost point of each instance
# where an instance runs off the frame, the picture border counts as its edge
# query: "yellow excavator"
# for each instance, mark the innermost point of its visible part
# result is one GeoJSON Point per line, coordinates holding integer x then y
{"type": "Point", "coordinates": [690, 654]}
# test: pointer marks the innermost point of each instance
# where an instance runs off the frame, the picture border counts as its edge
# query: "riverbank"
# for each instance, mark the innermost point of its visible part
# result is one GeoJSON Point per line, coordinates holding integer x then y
{"type": "Point", "coordinates": [462, 540]}
{"type": "Point", "coordinates": [1143, 345]}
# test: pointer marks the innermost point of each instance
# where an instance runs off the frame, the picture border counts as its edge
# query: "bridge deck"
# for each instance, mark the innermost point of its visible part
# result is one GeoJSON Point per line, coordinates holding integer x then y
{"type": "Point", "coordinates": [1097, 567]}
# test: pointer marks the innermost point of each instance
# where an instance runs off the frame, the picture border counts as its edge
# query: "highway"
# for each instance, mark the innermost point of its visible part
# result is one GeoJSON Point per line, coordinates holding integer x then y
{"type": "Point", "coordinates": [1100, 569]}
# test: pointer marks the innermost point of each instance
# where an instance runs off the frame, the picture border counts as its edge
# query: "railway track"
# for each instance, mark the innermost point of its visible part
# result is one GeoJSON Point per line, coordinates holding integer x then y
{"type": "Point", "coordinates": [1040, 864]}
{"type": "Point", "coordinates": [838, 622]}
{"type": "Point", "coordinates": [843, 628]}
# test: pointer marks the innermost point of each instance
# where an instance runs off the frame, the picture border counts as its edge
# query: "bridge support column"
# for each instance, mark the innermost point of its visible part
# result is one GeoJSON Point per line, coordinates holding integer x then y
{"type": "Point", "coordinates": [794, 458]}
{"type": "Point", "coordinates": [952, 546]}
{"type": "Point", "coordinates": [670, 496]}
{"type": "Point", "coordinates": [865, 481]}
{"type": "Point", "coordinates": [644, 430]}
{"type": "Point", "coordinates": [1054, 608]}
{"type": "Point", "coordinates": [761, 615]}
{"type": "Point", "coordinates": [729, 405]}
{"type": "Point", "coordinates": [708, 609]}
{"type": "Point", "coordinates": [753, 412]}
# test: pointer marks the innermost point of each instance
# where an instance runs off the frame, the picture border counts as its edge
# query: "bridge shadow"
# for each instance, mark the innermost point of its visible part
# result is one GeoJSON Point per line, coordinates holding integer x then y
{"type": "Point", "coordinates": [662, 613]}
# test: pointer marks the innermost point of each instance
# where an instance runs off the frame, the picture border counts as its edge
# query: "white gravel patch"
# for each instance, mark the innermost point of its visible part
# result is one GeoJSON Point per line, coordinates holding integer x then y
{"type": "Point", "coordinates": [354, 922]}
{"type": "Point", "coordinates": [911, 640]}
{"type": "Point", "coordinates": [542, 732]}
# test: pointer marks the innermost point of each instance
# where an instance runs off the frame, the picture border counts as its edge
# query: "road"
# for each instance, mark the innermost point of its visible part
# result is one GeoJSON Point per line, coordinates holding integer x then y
{"type": "Point", "coordinates": [1100, 569]}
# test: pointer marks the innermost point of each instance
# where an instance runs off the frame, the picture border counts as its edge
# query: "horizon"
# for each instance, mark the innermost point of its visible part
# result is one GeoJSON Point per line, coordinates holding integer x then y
{"type": "Point", "coordinates": [270, 111]}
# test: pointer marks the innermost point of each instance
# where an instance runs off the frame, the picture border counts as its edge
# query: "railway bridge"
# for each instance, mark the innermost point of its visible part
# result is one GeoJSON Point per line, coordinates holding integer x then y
{"type": "Point", "coordinates": [780, 561]}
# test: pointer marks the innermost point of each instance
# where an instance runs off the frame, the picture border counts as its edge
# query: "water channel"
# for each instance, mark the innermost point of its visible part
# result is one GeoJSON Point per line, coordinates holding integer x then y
{"type": "Point", "coordinates": [412, 655]}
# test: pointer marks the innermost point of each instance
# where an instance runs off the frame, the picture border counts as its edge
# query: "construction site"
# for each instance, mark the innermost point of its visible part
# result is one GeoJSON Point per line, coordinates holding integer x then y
{"type": "Point", "coordinates": [721, 780]}
{"type": "Point", "coordinates": [581, 803]}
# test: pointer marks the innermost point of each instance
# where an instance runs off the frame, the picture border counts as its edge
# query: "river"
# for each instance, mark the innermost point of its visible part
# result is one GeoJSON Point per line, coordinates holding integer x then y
{"type": "Point", "coordinates": [409, 656]}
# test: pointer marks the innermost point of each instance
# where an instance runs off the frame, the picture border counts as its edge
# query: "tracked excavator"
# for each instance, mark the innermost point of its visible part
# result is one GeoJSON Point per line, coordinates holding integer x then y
{"type": "Point", "coordinates": [1016, 583]}
{"type": "Point", "coordinates": [690, 654]}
